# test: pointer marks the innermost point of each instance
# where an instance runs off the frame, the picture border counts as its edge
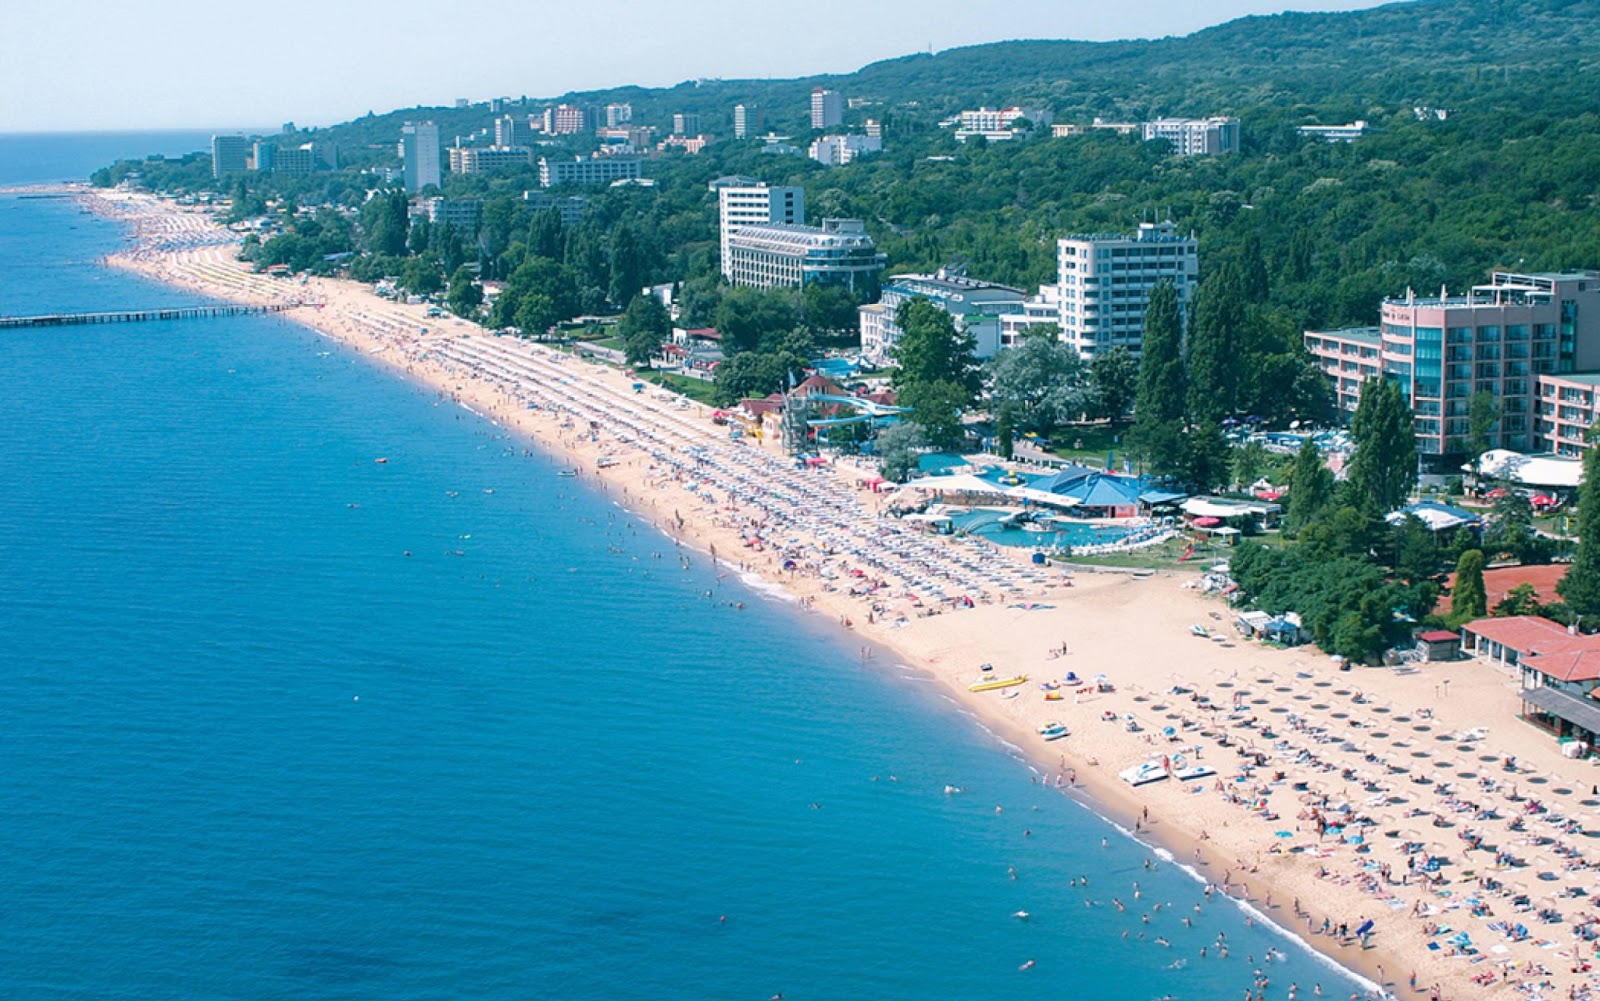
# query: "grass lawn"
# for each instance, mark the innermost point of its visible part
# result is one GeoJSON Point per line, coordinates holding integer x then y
{"type": "Point", "coordinates": [1089, 444]}
{"type": "Point", "coordinates": [697, 390]}
{"type": "Point", "coordinates": [1167, 555]}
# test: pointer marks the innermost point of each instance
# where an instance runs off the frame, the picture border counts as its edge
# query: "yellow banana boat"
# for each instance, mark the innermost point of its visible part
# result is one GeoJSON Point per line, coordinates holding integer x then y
{"type": "Point", "coordinates": [989, 686]}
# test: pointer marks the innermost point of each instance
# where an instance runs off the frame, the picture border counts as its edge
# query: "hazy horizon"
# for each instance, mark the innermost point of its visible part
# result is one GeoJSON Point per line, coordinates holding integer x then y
{"type": "Point", "coordinates": [178, 65]}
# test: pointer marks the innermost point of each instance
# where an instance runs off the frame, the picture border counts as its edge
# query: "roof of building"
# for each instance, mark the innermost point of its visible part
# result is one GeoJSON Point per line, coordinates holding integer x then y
{"type": "Point", "coordinates": [1569, 707]}
{"type": "Point", "coordinates": [796, 239]}
{"type": "Point", "coordinates": [1576, 378]}
{"type": "Point", "coordinates": [1529, 634]}
{"type": "Point", "coordinates": [1531, 470]}
{"type": "Point", "coordinates": [1365, 335]}
{"type": "Point", "coordinates": [1568, 665]}
{"type": "Point", "coordinates": [1439, 636]}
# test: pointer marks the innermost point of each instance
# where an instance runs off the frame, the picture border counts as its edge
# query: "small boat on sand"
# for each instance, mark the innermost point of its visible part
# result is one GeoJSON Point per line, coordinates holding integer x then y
{"type": "Point", "coordinates": [998, 683]}
{"type": "Point", "coordinates": [1053, 731]}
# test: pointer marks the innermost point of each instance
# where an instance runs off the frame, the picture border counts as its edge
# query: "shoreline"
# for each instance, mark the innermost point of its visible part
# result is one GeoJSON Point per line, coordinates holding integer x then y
{"type": "Point", "coordinates": [1132, 630]}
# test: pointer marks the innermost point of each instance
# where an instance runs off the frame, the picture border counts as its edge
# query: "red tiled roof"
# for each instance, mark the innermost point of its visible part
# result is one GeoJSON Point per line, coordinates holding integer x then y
{"type": "Point", "coordinates": [705, 333]}
{"type": "Point", "coordinates": [1527, 634]}
{"type": "Point", "coordinates": [1568, 665]}
{"type": "Point", "coordinates": [1439, 636]}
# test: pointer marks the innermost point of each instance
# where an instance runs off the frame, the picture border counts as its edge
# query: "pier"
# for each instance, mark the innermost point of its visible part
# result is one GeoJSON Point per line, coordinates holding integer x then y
{"type": "Point", "coordinates": [143, 315]}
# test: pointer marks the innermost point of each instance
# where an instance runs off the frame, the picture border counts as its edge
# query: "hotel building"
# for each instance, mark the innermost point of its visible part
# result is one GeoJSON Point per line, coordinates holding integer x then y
{"type": "Point", "coordinates": [839, 252]}
{"type": "Point", "coordinates": [976, 306]}
{"type": "Point", "coordinates": [755, 205]}
{"type": "Point", "coordinates": [482, 159]}
{"type": "Point", "coordinates": [827, 108]}
{"type": "Point", "coordinates": [1505, 338]}
{"type": "Point", "coordinates": [230, 155]}
{"type": "Point", "coordinates": [419, 148]}
{"type": "Point", "coordinates": [1196, 136]}
{"type": "Point", "coordinates": [996, 125]}
{"type": "Point", "coordinates": [1105, 280]}
{"type": "Point", "coordinates": [601, 170]}
{"type": "Point", "coordinates": [838, 150]}
{"type": "Point", "coordinates": [748, 121]}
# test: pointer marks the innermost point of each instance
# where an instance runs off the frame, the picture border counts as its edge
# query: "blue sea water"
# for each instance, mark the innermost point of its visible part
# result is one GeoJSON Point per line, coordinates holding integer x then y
{"type": "Point", "coordinates": [251, 748]}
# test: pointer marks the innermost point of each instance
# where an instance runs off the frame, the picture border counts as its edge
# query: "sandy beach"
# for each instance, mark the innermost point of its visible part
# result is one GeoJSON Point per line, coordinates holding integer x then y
{"type": "Point", "coordinates": [1403, 822]}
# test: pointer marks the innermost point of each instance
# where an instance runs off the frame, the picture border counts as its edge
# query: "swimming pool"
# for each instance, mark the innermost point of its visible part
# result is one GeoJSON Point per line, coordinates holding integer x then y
{"type": "Point", "coordinates": [996, 526]}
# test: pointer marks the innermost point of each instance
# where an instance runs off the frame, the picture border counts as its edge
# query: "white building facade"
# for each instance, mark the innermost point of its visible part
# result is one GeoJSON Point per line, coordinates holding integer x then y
{"type": "Point", "coordinates": [838, 150]}
{"type": "Point", "coordinates": [1196, 136]}
{"type": "Point", "coordinates": [977, 307]}
{"type": "Point", "coordinates": [419, 148]}
{"type": "Point", "coordinates": [839, 252]}
{"type": "Point", "coordinates": [1104, 283]}
{"type": "Point", "coordinates": [756, 205]}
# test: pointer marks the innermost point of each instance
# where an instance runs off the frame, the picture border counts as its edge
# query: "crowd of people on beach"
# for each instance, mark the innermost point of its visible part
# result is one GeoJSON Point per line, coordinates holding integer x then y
{"type": "Point", "coordinates": [1408, 826]}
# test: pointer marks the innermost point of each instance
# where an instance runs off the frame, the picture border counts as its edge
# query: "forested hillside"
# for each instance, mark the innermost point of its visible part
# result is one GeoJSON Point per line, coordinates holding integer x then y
{"type": "Point", "coordinates": [1509, 178]}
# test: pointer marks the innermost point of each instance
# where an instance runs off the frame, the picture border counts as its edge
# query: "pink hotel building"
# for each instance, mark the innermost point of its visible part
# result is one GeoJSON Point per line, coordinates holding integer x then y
{"type": "Point", "coordinates": [1522, 338]}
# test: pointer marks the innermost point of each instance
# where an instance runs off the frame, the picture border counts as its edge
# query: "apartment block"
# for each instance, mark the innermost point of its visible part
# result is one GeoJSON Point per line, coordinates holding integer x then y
{"type": "Point", "coordinates": [1104, 282]}
{"type": "Point", "coordinates": [755, 205]}
{"type": "Point", "coordinates": [596, 170]}
{"type": "Point", "coordinates": [839, 252]}
{"type": "Point", "coordinates": [230, 155]}
{"type": "Point", "coordinates": [1196, 136]}
{"type": "Point", "coordinates": [1510, 338]}
{"type": "Point", "coordinates": [827, 108]}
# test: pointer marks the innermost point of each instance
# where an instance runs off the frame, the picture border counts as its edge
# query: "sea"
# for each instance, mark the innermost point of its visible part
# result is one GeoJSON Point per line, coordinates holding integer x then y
{"type": "Point", "coordinates": [281, 721]}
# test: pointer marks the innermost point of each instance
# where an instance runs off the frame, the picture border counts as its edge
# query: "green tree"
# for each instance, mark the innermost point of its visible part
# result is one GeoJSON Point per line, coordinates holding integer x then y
{"type": "Point", "coordinates": [422, 275]}
{"type": "Point", "coordinates": [1006, 433]}
{"type": "Point", "coordinates": [1042, 382]}
{"type": "Point", "coordinates": [1249, 464]}
{"type": "Point", "coordinates": [1113, 382]}
{"type": "Point", "coordinates": [1210, 457]}
{"type": "Point", "coordinates": [1383, 470]}
{"type": "Point", "coordinates": [1310, 487]}
{"type": "Point", "coordinates": [745, 315]}
{"type": "Point", "coordinates": [753, 374]}
{"type": "Point", "coordinates": [900, 446]}
{"type": "Point", "coordinates": [937, 408]}
{"type": "Point", "coordinates": [644, 328]}
{"type": "Point", "coordinates": [1215, 345]}
{"type": "Point", "coordinates": [1580, 588]}
{"type": "Point", "coordinates": [628, 264]}
{"type": "Point", "coordinates": [1520, 600]}
{"type": "Point", "coordinates": [932, 350]}
{"type": "Point", "coordinates": [554, 284]}
{"type": "Point", "coordinates": [386, 220]}
{"type": "Point", "coordinates": [1416, 551]}
{"type": "Point", "coordinates": [1468, 600]}
{"type": "Point", "coordinates": [545, 234]}
{"type": "Point", "coordinates": [465, 295]}
{"type": "Point", "coordinates": [1159, 405]}
{"type": "Point", "coordinates": [1483, 413]}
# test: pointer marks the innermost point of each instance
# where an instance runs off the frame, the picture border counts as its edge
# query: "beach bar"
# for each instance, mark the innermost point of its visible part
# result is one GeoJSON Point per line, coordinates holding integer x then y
{"type": "Point", "coordinates": [1559, 670]}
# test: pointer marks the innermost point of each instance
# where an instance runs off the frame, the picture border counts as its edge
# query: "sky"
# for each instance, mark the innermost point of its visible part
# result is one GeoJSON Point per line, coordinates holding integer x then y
{"type": "Point", "coordinates": [70, 65]}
